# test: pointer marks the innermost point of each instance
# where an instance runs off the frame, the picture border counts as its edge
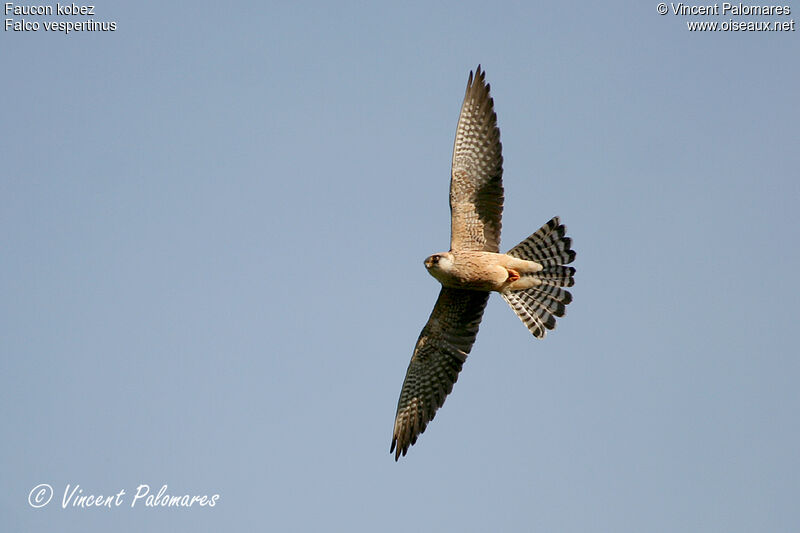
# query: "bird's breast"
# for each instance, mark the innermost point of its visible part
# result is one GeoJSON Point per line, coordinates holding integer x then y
{"type": "Point", "coordinates": [481, 271]}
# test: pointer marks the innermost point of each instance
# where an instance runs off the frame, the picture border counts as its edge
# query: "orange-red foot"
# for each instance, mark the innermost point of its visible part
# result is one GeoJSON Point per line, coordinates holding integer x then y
{"type": "Point", "coordinates": [513, 275]}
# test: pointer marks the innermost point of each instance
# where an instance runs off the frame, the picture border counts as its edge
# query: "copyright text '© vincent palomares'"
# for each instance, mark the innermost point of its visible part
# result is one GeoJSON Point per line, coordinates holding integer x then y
{"type": "Point", "coordinates": [740, 16]}
{"type": "Point", "coordinates": [727, 8]}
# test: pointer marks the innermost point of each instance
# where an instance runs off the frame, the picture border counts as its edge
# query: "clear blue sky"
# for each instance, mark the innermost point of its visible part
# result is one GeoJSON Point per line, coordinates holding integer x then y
{"type": "Point", "coordinates": [212, 227]}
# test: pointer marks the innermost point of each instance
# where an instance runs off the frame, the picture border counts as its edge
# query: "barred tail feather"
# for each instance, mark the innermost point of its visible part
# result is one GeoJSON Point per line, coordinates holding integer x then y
{"type": "Point", "coordinates": [532, 319]}
{"type": "Point", "coordinates": [549, 246]}
{"type": "Point", "coordinates": [558, 276]}
{"type": "Point", "coordinates": [539, 306]}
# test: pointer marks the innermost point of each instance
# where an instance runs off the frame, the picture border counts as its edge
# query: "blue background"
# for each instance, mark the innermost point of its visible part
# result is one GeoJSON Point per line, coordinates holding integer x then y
{"type": "Point", "coordinates": [212, 227]}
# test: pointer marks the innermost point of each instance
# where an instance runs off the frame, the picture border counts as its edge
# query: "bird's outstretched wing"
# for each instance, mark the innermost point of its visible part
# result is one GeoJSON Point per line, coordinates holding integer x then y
{"type": "Point", "coordinates": [476, 182]}
{"type": "Point", "coordinates": [441, 349]}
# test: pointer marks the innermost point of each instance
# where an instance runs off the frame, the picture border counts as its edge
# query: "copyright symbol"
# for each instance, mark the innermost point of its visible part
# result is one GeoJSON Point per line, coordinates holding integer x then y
{"type": "Point", "coordinates": [662, 8]}
{"type": "Point", "coordinates": [40, 495]}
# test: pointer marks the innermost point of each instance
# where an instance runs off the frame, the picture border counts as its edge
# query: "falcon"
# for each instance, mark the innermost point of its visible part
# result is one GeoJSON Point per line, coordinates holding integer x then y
{"type": "Point", "coordinates": [531, 276]}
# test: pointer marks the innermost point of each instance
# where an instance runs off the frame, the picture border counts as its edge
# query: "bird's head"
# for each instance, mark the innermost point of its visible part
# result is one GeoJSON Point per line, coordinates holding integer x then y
{"type": "Point", "coordinates": [439, 263]}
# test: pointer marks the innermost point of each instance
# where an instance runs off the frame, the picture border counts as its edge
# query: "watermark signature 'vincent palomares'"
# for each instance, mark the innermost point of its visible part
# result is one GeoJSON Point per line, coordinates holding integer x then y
{"type": "Point", "coordinates": [731, 9]}
{"type": "Point", "coordinates": [75, 497]}
{"type": "Point", "coordinates": [726, 8]}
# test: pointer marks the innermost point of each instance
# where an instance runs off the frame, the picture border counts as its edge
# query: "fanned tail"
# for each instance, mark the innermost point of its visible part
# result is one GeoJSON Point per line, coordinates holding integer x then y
{"type": "Point", "coordinates": [539, 306]}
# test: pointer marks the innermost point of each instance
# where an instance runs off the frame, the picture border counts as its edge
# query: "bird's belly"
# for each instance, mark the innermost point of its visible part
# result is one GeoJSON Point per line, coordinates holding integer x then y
{"type": "Point", "coordinates": [482, 271]}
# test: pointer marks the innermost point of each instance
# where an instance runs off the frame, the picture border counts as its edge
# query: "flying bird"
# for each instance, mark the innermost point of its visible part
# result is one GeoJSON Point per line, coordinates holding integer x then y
{"type": "Point", "coordinates": [531, 276]}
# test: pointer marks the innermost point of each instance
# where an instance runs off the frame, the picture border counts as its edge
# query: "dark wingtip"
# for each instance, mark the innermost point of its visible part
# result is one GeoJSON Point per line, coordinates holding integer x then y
{"type": "Point", "coordinates": [480, 76]}
{"type": "Point", "coordinates": [397, 449]}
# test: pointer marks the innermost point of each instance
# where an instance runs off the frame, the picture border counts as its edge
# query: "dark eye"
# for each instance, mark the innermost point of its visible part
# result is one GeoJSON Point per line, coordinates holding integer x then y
{"type": "Point", "coordinates": [436, 258]}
